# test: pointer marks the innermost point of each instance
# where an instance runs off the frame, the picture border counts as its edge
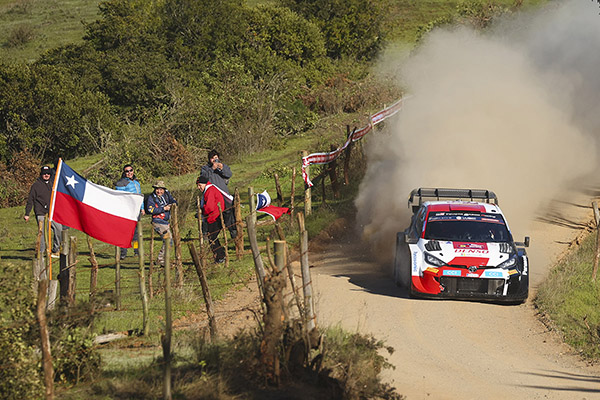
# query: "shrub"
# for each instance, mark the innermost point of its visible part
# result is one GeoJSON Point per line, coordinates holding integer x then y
{"type": "Point", "coordinates": [20, 377]}
{"type": "Point", "coordinates": [44, 110]}
{"type": "Point", "coordinates": [17, 178]}
{"type": "Point", "coordinates": [74, 354]}
{"type": "Point", "coordinates": [355, 361]}
{"type": "Point", "coordinates": [20, 35]}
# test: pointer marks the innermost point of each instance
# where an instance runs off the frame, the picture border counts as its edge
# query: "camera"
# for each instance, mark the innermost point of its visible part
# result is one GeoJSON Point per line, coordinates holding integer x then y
{"type": "Point", "coordinates": [216, 161]}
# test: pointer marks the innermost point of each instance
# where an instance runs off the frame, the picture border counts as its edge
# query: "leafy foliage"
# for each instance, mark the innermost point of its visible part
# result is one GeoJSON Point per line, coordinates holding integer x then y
{"type": "Point", "coordinates": [351, 27]}
{"type": "Point", "coordinates": [20, 377]}
{"type": "Point", "coordinates": [42, 109]}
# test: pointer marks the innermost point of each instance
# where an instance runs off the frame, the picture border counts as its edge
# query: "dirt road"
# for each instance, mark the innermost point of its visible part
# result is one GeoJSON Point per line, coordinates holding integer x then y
{"type": "Point", "coordinates": [459, 349]}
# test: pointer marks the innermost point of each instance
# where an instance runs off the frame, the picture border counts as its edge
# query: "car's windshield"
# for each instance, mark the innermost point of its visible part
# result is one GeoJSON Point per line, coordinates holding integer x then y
{"type": "Point", "coordinates": [466, 227]}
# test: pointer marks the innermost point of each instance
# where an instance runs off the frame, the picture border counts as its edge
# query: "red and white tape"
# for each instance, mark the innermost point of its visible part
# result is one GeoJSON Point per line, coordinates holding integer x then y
{"type": "Point", "coordinates": [326, 158]}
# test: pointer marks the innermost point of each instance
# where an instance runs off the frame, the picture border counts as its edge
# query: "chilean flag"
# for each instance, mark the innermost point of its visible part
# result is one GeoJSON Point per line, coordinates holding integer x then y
{"type": "Point", "coordinates": [263, 204]}
{"type": "Point", "coordinates": [105, 214]}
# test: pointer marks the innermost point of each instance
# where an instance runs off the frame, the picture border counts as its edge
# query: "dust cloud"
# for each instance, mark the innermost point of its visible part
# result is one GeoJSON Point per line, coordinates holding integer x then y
{"type": "Point", "coordinates": [514, 110]}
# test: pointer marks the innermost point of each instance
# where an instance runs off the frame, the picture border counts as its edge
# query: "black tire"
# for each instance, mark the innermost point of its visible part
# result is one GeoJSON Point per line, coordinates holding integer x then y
{"type": "Point", "coordinates": [402, 262]}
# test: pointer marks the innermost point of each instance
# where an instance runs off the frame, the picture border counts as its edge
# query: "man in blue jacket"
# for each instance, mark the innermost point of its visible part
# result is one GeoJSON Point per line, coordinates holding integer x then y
{"type": "Point", "coordinates": [159, 206]}
{"type": "Point", "coordinates": [129, 183]}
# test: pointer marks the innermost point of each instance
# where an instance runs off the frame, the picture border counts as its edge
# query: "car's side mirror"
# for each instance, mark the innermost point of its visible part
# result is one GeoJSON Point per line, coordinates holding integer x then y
{"type": "Point", "coordinates": [524, 243]}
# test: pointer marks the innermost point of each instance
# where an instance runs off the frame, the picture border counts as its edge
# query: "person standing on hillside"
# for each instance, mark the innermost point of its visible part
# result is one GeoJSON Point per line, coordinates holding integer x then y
{"type": "Point", "coordinates": [159, 206]}
{"type": "Point", "coordinates": [212, 199]}
{"type": "Point", "coordinates": [129, 183]}
{"type": "Point", "coordinates": [219, 174]}
{"type": "Point", "coordinates": [39, 200]}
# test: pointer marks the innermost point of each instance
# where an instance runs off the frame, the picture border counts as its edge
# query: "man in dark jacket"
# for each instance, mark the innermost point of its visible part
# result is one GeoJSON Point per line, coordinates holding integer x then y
{"type": "Point", "coordinates": [159, 207]}
{"type": "Point", "coordinates": [219, 174]}
{"type": "Point", "coordinates": [39, 200]}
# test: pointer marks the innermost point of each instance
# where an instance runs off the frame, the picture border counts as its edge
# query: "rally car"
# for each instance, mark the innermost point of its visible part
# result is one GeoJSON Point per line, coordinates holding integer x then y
{"type": "Point", "coordinates": [458, 245]}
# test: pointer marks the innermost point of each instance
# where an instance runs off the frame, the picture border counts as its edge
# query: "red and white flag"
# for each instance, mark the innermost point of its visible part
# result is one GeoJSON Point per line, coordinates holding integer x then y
{"type": "Point", "coordinates": [263, 205]}
{"type": "Point", "coordinates": [105, 214]}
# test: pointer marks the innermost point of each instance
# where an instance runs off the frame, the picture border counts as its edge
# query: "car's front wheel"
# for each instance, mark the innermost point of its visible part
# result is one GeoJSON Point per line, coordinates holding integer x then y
{"type": "Point", "coordinates": [402, 262]}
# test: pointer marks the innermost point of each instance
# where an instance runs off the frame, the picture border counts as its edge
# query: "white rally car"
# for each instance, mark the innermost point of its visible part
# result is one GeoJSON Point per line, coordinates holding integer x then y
{"type": "Point", "coordinates": [459, 245]}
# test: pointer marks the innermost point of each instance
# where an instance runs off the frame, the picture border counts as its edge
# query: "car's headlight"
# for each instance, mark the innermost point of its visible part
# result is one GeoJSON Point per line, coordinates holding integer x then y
{"type": "Point", "coordinates": [511, 262]}
{"type": "Point", "coordinates": [429, 259]}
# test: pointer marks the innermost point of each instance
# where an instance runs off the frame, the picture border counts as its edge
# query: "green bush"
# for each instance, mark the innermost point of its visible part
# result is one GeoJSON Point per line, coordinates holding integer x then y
{"type": "Point", "coordinates": [351, 27]}
{"type": "Point", "coordinates": [20, 376]}
{"type": "Point", "coordinates": [43, 110]}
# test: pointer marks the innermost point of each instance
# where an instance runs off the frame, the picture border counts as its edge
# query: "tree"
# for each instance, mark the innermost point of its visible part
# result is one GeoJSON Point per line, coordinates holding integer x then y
{"type": "Point", "coordinates": [351, 27]}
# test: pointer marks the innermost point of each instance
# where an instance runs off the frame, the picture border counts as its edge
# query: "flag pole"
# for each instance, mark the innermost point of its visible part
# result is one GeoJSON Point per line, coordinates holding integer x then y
{"type": "Point", "coordinates": [51, 215]}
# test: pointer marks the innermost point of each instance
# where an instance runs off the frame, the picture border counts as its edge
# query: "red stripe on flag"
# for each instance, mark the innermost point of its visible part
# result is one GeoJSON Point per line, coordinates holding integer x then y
{"type": "Point", "coordinates": [100, 225]}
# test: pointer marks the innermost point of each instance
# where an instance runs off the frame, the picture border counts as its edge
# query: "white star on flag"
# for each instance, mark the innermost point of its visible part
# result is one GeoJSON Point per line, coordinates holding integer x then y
{"type": "Point", "coordinates": [71, 181]}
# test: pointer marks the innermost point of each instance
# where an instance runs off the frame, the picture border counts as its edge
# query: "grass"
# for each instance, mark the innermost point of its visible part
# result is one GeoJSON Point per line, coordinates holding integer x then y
{"type": "Point", "coordinates": [571, 300]}
{"type": "Point", "coordinates": [30, 27]}
{"type": "Point", "coordinates": [17, 237]}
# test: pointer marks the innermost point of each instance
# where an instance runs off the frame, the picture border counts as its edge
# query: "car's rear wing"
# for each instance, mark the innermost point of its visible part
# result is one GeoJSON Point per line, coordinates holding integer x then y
{"type": "Point", "coordinates": [417, 195]}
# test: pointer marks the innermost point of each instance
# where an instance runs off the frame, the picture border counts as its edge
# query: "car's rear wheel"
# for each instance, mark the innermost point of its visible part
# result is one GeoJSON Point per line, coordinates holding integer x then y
{"type": "Point", "coordinates": [402, 262]}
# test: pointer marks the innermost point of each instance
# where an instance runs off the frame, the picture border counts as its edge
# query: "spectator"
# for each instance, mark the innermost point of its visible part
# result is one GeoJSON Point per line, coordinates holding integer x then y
{"type": "Point", "coordinates": [129, 183]}
{"type": "Point", "coordinates": [39, 200]}
{"type": "Point", "coordinates": [219, 174]}
{"type": "Point", "coordinates": [212, 199]}
{"type": "Point", "coordinates": [159, 206]}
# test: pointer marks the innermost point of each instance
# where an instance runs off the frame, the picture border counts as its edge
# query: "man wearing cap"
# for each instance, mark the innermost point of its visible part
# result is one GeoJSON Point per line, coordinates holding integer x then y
{"type": "Point", "coordinates": [212, 199]}
{"type": "Point", "coordinates": [159, 206]}
{"type": "Point", "coordinates": [39, 200]}
{"type": "Point", "coordinates": [219, 174]}
{"type": "Point", "coordinates": [129, 183]}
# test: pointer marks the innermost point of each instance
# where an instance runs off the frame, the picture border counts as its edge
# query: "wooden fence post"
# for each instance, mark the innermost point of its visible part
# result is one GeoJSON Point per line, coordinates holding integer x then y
{"type": "Point", "coordinates": [333, 176]}
{"type": "Point", "coordinates": [199, 211]}
{"type": "Point", "coordinates": [278, 190]}
{"type": "Point", "coordinates": [151, 263]}
{"type": "Point", "coordinates": [200, 267]}
{"type": "Point", "coordinates": [239, 239]}
{"type": "Point", "coordinates": [224, 230]}
{"type": "Point", "coordinates": [273, 319]}
{"type": "Point", "coordinates": [324, 198]}
{"type": "Point", "coordinates": [306, 279]}
{"type": "Point", "coordinates": [252, 202]}
{"type": "Point", "coordinates": [347, 153]}
{"type": "Point", "coordinates": [45, 338]}
{"type": "Point", "coordinates": [293, 190]}
{"type": "Point", "coordinates": [94, 270]}
{"type": "Point", "coordinates": [117, 278]}
{"type": "Point", "coordinates": [307, 191]}
{"type": "Point", "coordinates": [142, 280]}
{"type": "Point", "coordinates": [177, 245]}
{"type": "Point", "coordinates": [68, 259]}
{"type": "Point", "coordinates": [597, 257]}
{"type": "Point", "coordinates": [72, 270]}
{"type": "Point", "coordinates": [166, 337]}
{"type": "Point", "coordinates": [258, 262]}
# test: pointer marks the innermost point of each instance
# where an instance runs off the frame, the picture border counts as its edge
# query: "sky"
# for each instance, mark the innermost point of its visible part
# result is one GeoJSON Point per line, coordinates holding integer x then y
{"type": "Point", "coordinates": [514, 109]}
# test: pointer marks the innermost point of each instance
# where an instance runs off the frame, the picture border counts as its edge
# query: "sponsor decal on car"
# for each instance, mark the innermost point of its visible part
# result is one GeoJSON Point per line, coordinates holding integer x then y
{"type": "Point", "coordinates": [470, 246]}
{"type": "Point", "coordinates": [432, 270]}
{"type": "Point", "coordinates": [513, 271]}
{"type": "Point", "coordinates": [452, 272]}
{"type": "Point", "coordinates": [414, 262]}
{"type": "Point", "coordinates": [493, 274]}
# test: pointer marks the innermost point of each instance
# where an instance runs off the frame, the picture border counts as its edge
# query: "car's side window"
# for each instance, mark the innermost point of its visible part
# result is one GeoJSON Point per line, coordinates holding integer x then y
{"type": "Point", "coordinates": [417, 223]}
